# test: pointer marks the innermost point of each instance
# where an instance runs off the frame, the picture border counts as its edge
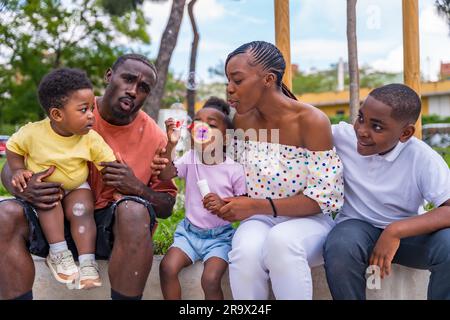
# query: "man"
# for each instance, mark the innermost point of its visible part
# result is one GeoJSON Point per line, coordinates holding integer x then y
{"type": "Point", "coordinates": [123, 226]}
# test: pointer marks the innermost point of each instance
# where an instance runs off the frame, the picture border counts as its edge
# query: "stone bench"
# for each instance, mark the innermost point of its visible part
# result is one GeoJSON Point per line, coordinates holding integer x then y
{"type": "Point", "coordinates": [403, 284]}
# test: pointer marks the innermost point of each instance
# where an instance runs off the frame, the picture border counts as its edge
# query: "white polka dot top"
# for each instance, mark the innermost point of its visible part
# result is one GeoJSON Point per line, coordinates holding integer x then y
{"type": "Point", "coordinates": [280, 171]}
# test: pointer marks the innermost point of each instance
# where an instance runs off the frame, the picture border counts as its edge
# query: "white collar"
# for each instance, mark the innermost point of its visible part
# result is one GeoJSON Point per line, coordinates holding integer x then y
{"type": "Point", "coordinates": [394, 153]}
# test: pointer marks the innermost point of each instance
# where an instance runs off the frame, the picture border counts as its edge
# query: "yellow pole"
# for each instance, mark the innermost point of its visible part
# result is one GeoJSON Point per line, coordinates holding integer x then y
{"type": "Point", "coordinates": [411, 48]}
{"type": "Point", "coordinates": [283, 37]}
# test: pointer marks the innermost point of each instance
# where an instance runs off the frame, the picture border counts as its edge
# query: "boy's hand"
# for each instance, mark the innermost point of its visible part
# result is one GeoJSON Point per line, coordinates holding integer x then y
{"type": "Point", "coordinates": [384, 251]}
{"type": "Point", "coordinates": [213, 203]}
{"type": "Point", "coordinates": [173, 131]}
{"type": "Point", "coordinates": [20, 177]}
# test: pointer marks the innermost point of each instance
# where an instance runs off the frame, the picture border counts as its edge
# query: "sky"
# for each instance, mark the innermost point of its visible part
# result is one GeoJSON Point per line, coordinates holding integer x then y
{"type": "Point", "coordinates": [318, 33]}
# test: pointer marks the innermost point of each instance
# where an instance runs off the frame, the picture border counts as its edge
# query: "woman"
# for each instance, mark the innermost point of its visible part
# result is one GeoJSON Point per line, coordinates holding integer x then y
{"type": "Point", "coordinates": [295, 184]}
{"type": "Point", "coordinates": [294, 179]}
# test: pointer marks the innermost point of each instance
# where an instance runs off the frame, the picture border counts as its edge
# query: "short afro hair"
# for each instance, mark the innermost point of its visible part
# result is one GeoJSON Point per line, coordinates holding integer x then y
{"type": "Point", "coordinates": [57, 86]}
{"type": "Point", "coordinates": [403, 100]}
{"type": "Point", "coordinates": [134, 56]}
{"type": "Point", "coordinates": [222, 106]}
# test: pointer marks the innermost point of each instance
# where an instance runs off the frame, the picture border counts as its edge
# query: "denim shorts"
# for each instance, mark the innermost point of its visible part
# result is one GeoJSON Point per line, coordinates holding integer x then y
{"type": "Point", "coordinates": [202, 244]}
{"type": "Point", "coordinates": [104, 220]}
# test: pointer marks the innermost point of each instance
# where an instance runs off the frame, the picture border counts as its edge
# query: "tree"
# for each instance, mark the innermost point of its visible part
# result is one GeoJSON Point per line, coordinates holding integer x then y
{"type": "Point", "coordinates": [168, 89]}
{"type": "Point", "coordinates": [168, 43]}
{"type": "Point", "coordinates": [352, 59]}
{"type": "Point", "coordinates": [36, 36]}
{"type": "Point", "coordinates": [191, 81]}
{"type": "Point", "coordinates": [326, 80]}
{"type": "Point", "coordinates": [443, 8]}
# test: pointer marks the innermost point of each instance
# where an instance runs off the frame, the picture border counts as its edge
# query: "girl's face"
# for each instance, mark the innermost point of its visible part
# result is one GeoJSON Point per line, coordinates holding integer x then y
{"type": "Point", "coordinates": [209, 129]}
{"type": "Point", "coordinates": [245, 83]}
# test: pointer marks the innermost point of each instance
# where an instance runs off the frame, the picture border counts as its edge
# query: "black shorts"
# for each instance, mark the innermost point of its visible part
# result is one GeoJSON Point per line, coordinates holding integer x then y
{"type": "Point", "coordinates": [104, 220]}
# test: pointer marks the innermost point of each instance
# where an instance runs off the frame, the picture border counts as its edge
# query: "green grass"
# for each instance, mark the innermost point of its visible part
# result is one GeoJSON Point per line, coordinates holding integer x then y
{"type": "Point", "coordinates": [445, 153]}
{"type": "Point", "coordinates": [3, 191]}
{"type": "Point", "coordinates": [163, 236]}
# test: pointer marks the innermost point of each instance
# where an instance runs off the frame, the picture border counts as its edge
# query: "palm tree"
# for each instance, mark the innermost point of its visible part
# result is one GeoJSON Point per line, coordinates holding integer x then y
{"type": "Point", "coordinates": [352, 59]}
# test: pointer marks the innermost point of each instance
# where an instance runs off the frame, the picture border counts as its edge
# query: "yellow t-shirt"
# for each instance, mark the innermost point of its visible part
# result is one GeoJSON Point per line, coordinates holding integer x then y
{"type": "Point", "coordinates": [42, 148]}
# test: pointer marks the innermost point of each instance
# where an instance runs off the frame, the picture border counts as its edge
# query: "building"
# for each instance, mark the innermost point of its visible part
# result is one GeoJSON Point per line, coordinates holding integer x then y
{"type": "Point", "coordinates": [435, 99]}
{"type": "Point", "coordinates": [445, 71]}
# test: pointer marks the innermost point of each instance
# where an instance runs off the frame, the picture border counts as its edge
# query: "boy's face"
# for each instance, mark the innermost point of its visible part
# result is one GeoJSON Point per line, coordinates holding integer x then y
{"type": "Point", "coordinates": [377, 132]}
{"type": "Point", "coordinates": [76, 117]}
{"type": "Point", "coordinates": [208, 135]}
{"type": "Point", "coordinates": [128, 87]}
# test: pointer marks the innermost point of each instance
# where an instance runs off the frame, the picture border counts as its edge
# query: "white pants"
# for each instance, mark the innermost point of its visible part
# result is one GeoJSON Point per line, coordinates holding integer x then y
{"type": "Point", "coordinates": [282, 249]}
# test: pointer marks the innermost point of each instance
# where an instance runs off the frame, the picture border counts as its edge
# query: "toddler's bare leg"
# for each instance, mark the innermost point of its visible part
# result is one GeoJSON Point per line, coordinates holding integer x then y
{"type": "Point", "coordinates": [79, 211]}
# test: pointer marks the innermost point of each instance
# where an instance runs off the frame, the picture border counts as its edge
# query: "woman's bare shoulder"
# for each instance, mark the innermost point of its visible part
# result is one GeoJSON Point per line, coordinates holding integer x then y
{"type": "Point", "coordinates": [312, 116]}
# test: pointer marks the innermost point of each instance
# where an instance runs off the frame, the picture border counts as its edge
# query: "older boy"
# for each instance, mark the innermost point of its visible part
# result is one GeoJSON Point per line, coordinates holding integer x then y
{"type": "Point", "coordinates": [388, 174]}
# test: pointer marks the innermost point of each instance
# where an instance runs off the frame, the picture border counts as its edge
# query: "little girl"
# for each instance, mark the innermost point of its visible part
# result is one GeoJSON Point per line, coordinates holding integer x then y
{"type": "Point", "coordinates": [210, 177]}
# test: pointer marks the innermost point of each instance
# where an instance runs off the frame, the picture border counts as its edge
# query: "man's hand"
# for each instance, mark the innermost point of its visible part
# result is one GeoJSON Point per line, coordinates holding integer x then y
{"type": "Point", "coordinates": [120, 176]}
{"type": "Point", "coordinates": [42, 195]}
{"type": "Point", "coordinates": [384, 251]}
{"type": "Point", "coordinates": [20, 177]}
{"type": "Point", "coordinates": [159, 163]}
{"type": "Point", "coordinates": [213, 203]}
{"type": "Point", "coordinates": [237, 208]}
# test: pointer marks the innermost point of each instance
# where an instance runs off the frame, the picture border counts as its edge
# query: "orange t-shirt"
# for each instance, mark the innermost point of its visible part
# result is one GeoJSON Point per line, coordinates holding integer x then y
{"type": "Point", "coordinates": [137, 143]}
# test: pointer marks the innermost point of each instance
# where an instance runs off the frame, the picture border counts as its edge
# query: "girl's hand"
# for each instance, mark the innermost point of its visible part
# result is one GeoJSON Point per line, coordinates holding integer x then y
{"type": "Point", "coordinates": [20, 178]}
{"type": "Point", "coordinates": [237, 208]}
{"type": "Point", "coordinates": [173, 131]}
{"type": "Point", "coordinates": [213, 203]}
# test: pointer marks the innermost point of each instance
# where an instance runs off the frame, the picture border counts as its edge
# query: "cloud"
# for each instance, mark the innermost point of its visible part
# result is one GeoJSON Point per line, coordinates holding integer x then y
{"type": "Point", "coordinates": [325, 51]}
{"type": "Point", "coordinates": [434, 46]}
{"type": "Point", "coordinates": [206, 10]}
{"type": "Point", "coordinates": [393, 62]}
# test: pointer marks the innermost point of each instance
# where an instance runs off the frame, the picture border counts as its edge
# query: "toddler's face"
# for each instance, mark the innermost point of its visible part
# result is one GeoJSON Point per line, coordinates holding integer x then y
{"type": "Point", "coordinates": [209, 128]}
{"type": "Point", "coordinates": [76, 115]}
{"type": "Point", "coordinates": [376, 131]}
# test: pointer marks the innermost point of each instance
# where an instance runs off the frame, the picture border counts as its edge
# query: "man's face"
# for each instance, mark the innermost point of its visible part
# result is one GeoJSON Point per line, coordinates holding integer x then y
{"type": "Point", "coordinates": [128, 87]}
{"type": "Point", "coordinates": [377, 132]}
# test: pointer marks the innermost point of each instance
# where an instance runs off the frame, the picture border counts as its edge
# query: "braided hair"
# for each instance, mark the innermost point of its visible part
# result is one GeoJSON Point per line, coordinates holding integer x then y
{"type": "Point", "coordinates": [269, 57]}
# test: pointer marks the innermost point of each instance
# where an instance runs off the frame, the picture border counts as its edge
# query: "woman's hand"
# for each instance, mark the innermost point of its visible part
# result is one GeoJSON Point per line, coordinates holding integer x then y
{"type": "Point", "coordinates": [238, 208]}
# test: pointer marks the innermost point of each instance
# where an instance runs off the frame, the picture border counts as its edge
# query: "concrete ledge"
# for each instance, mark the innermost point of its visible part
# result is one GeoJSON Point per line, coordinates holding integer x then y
{"type": "Point", "coordinates": [404, 284]}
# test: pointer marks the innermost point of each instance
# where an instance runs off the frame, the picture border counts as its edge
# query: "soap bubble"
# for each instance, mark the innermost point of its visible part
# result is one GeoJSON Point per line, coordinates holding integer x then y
{"type": "Point", "coordinates": [78, 209]}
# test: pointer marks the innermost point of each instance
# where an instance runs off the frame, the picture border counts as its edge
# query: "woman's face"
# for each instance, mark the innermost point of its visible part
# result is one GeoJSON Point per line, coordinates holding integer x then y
{"type": "Point", "coordinates": [245, 83]}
